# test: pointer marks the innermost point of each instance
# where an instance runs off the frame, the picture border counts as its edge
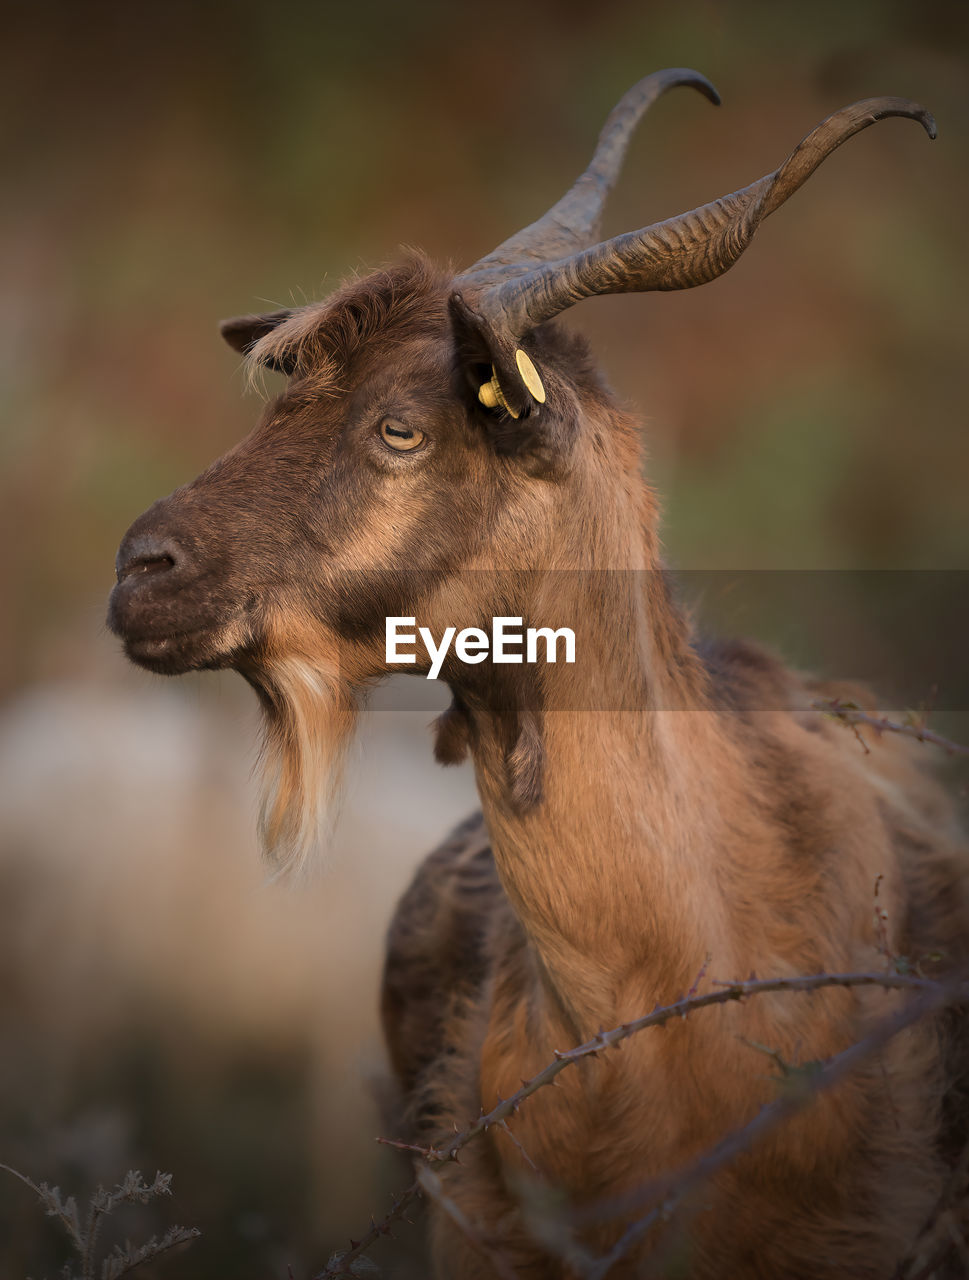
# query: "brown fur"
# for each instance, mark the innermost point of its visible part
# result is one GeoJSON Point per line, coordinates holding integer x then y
{"type": "Point", "coordinates": [646, 807]}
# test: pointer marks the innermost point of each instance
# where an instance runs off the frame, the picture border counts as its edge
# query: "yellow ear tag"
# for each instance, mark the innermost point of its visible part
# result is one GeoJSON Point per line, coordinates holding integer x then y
{"type": "Point", "coordinates": [491, 395]}
{"type": "Point", "coordinates": [530, 376]}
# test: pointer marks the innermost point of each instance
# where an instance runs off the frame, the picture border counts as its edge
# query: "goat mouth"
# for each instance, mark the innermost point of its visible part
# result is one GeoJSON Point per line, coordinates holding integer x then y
{"type": "Point", "coordinates": [169, 654]}
{"type": "Point", "coordinates": [172, 653]}
{"type": "Point", "coordinates": [169, 636]}
{"type": "Point", "coordinates": [175, 654]}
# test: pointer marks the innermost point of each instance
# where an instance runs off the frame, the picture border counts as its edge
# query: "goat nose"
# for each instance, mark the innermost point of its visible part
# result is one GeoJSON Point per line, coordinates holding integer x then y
{"type": "Point", "coordinates": [149, 554]}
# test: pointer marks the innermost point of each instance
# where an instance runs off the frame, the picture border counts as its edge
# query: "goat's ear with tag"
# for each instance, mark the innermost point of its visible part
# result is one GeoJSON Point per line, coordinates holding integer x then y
{"type": "Point", "coordinates": [507, 389]}
{"type": "Point", "coordinates": [243, 332]}
{"type": "Point", "coordinates": [487, 359]}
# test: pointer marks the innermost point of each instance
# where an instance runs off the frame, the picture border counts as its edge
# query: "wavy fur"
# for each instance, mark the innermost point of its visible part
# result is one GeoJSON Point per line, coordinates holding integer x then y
{"type": "Point", "coordinates": [309, 718]}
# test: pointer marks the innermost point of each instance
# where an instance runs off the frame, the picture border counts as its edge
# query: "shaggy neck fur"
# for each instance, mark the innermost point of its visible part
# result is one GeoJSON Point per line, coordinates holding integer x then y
{"type": "Point", "coordinates": [588, 773]}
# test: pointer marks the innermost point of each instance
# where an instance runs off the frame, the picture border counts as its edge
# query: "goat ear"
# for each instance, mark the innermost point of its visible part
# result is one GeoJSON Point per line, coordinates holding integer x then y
{"type": "Point", "coordinates": [243, 332]}
{"type": "Point", "coordinates": [507, 392]}
{"type": "Point", "coordinates": [500, 375]}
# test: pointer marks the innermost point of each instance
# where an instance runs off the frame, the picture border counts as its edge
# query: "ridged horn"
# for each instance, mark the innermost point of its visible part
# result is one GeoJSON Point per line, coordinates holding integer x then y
{"type": "Point", "coordinates": [573, 223]}
{"type": "Point", "coordinates": [679, 253]}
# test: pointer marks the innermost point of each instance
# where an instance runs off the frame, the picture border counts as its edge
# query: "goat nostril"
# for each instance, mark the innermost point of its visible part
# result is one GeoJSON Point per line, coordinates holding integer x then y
{"type": "Point", "coordinates": [149, 553]}
{"type": "Point", "coordinates": [146, 565]}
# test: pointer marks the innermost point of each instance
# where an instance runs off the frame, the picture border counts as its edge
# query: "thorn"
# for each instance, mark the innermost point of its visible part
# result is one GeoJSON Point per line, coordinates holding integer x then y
{"type": "Point", "coordinates": [354, 1244]}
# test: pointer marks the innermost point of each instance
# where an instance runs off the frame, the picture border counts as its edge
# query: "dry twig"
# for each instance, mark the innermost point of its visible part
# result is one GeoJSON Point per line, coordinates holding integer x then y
{"type": "Point", "coordinates": [808, 1083]}
{"type": "Point", "coordinates": [851, 714]}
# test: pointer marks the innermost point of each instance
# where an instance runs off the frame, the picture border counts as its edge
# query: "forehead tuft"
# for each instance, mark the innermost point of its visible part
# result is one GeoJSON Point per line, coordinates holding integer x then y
{"type": "Point", "coordinates": [399, 302]}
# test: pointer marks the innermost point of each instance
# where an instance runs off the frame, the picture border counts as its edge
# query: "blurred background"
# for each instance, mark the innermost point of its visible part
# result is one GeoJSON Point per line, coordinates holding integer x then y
{"type": "Point", "coordinates": [166, 165]}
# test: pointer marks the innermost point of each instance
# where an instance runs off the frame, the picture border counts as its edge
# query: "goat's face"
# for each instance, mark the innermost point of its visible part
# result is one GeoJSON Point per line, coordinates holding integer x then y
{"type": "Point", "coordinates": [368, 485]}
{"type": "Point", "coordinates": [376, 485]}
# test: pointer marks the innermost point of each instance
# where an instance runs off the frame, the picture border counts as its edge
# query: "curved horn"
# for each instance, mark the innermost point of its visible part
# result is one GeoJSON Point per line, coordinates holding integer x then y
{"type": "Point", "coordinates": [573, 223]}
{"type": "Point", "coordinates": [681, 252]}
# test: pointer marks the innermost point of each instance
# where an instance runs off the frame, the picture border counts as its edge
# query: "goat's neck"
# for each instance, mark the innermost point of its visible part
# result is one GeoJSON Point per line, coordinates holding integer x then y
{"type": "Point", "coordinates": [590, 789]}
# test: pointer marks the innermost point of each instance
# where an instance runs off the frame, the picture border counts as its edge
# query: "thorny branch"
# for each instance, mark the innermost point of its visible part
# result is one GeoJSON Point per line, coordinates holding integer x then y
{"type": "Point", "coordinates": [849, 713]}
{"type": "Point", "coordinates": [807, 1085]}
{"type": "Point", "coordinates": [341, 1263]}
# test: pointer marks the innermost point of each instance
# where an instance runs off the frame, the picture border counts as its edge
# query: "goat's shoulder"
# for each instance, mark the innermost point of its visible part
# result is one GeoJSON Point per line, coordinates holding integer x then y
{"type": "Point", "coordinates": [851, 803]}
{"type": "Point", "coordinates": [745, 676]}
{"type": "Point", "coordinates": [437, 960]}
{"type": "Point", "coordinates": [779, 714]}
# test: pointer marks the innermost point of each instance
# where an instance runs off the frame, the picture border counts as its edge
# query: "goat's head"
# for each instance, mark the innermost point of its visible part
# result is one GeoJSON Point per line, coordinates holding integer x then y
{"type": "Point", "coordinates": [430, 424]}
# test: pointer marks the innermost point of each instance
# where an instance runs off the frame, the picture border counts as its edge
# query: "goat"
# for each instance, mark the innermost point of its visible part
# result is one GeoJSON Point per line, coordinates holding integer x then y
{"type": "Point", "coordinates": [444, 452]}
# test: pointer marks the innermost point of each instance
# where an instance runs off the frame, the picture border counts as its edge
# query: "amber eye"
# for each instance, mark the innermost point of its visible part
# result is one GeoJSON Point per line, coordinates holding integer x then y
{"type": "Point", "coordinates": [400, 436]}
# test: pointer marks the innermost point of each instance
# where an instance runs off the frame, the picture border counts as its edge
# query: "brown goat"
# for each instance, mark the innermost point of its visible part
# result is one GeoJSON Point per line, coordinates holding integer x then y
{"type": "Point", "coordinates": [442, 451]}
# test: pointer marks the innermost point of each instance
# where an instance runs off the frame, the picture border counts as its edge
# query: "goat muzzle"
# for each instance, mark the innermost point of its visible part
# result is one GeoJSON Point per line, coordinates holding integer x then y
{"type": "Point", "coordinates": [165, 607]}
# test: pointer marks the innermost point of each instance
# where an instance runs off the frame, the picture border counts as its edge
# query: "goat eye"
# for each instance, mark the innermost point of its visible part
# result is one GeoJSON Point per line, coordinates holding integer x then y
{"type": "Point", "coordinates": [399, 436]}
